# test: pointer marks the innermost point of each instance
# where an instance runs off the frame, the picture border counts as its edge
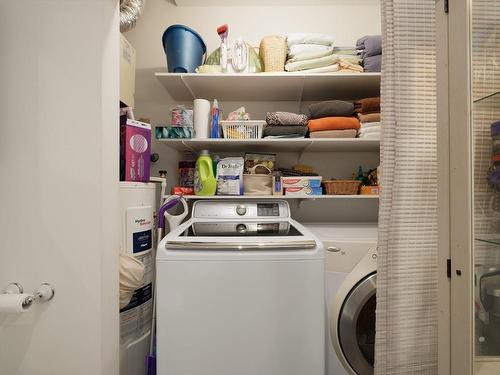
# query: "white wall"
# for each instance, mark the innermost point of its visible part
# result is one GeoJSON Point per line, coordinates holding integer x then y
{"type": "Point", "coordinates": [347, 21]}
{"type": "Point", "coordinates": [59, 165]}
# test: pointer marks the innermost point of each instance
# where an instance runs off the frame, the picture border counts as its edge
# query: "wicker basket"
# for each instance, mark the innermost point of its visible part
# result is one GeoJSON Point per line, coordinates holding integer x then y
{"type": "Point", "coordinates": [273, 52]}
{"type": "Point", "coordinates": [342, 187]}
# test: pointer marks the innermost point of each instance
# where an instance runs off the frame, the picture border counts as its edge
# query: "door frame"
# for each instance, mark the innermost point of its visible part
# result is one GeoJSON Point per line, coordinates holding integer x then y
{"type": "Point", "coordinates": [456, 317]}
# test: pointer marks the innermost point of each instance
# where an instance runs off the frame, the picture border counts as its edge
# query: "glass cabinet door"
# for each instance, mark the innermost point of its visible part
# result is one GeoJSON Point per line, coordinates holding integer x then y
{"type": "Point", "coordinates": [485, 132]}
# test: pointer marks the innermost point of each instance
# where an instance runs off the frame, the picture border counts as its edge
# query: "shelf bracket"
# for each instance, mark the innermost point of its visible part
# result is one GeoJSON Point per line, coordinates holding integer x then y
{"type": "Point", "coordinates": [183, 79]}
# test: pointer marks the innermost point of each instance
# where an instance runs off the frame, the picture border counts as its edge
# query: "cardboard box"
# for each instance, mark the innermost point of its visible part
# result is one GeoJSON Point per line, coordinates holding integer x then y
{"type": "Point", "coordinates": [135, 150]}
{"type": "Point", "coordinates": [301, 181]}
{"type": "Point", "coordinates": [304, 190]}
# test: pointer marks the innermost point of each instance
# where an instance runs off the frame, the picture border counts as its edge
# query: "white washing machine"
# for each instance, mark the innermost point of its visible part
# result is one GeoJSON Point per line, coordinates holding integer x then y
{"type": "Point", "coordinates": [350, 265]}
{"type": "Point", "coordinates": [240, 290]}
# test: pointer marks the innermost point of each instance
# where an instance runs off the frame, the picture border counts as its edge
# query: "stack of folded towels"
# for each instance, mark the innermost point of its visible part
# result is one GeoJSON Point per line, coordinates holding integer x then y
{"type": "Point", "coordinates": [333, 119]}
{"type": "Point", "coordinates": [312, 53]}
{"type": "Point", "coordinates": [370, 49]}
{"type": "Point", "coordinates": [368, 112]}
{"type": "Point", "coordinates": [285, 125]}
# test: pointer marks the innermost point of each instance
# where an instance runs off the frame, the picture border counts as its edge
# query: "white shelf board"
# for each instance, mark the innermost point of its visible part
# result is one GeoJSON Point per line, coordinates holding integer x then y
{"type": "Point", "coordinates": [280, 86]}
{"type": "Point", "coordinates": [308, 197]}
{"type": "Point", "coordinates": [269, 2]}
{"type": "Point", "coordinates": [276, 145]}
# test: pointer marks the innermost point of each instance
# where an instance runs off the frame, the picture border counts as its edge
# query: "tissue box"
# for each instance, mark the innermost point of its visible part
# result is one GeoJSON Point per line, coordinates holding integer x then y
{"type": "Point", "coordinates": [135, 150]}
{"type": "Point", "coordinates": [301, 181]}
{"type": "Point", "coordinates": [304, 190]}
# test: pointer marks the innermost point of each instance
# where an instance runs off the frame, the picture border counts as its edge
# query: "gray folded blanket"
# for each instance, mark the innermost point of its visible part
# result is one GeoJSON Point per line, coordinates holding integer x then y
{"type": "Point", "coordinates": [370, 45]}
{"type": "Point", "coordinates": [373, 63]}
{"type": "Point", "coordinates": [331, 108]}
{"type": "Point", "coordinates": [286, 118]}
{"type": "Point", "coordinates": [285, 130]}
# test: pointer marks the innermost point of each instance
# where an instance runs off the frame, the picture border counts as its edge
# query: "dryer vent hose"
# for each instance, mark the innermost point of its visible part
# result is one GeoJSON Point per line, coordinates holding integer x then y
{"type": "Point", "coordinates": [130, 11]}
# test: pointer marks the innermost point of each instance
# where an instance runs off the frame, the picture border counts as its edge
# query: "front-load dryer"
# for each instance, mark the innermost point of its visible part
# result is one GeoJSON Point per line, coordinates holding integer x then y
{"type": "Point", "coordinates": [350, 286]}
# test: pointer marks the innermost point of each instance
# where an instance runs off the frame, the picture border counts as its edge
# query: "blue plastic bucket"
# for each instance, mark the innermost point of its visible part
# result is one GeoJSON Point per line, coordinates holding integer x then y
{"type": "Point", "coordinates": [185, 49]}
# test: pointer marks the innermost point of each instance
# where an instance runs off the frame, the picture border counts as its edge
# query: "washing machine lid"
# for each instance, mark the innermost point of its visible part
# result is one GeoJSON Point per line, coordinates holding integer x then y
{"type": "Point", "coordinates": [356, 326]}
{"type": "Point", "coordinates": [244, 239]}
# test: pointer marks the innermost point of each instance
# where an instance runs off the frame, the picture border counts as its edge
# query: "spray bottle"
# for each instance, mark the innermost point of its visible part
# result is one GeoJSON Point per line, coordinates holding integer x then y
{"type": "Point", "coordinates": [223, 32]}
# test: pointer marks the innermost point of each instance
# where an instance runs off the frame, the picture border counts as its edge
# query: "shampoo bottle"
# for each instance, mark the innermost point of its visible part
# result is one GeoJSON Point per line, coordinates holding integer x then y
{"type": "Point", "coordinates": [204, 179]}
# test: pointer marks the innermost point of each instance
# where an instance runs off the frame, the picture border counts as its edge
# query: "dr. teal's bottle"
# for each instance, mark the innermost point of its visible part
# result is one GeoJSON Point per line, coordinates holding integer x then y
{"type": "Point", "coordinates": [204, 179]}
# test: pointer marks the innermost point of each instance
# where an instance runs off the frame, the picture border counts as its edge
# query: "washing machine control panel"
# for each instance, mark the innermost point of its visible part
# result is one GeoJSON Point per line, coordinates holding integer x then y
{"type": "Point", "coordinates": [249, 209]}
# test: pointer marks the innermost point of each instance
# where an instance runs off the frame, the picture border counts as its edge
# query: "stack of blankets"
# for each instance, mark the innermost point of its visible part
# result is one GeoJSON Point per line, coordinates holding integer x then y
{"type": "Point", "coordinates": [285, 125]}
{"type": "Point", "coordinates": [370, 49]}
{"type": "Point", "coordinates": [333, 119]}
{"type": "Point", "coordinates": [368, 112]}
{"type": "Point", "coordinates": [310, 53]}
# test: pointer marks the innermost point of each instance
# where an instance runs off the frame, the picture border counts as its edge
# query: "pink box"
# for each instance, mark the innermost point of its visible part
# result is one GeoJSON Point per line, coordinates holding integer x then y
{"type": "Point", "coordinates": [135, 150]}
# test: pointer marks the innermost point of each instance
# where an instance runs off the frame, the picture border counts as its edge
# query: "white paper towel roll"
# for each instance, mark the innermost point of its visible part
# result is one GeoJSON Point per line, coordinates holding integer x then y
{"type": "Point", "coordinates": [201, 109]}
{"type": "Point", "coordinates": [14, 303]}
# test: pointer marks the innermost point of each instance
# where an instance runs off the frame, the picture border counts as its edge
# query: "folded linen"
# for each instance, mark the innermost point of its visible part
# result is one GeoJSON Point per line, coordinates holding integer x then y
{"type": "Point", "coordinates": [310, 64]}
{"type": "Point", "coordinates": [370, 45]}
{"type": "Point", "coordinates": [372, 63]}
{"type": "Point", "coordinates": [347, 65]}
{"type": "Point", "coordinates": [370, 136]}
{"type": "Point", "coordinates": [375, 129]}
{"type": "Point", "coordinates": [344, 133]}
{"type": "Point", "coordinates": [345, 51]}
{"type": "Point", "coordinates": [286, 118]}
{"type": "Point", "coordinates": [309, 38]}
{"type": "Point", "coordinates": [285, 130]}
{"type": "Point", "coordinates": [333, 123]}
{"type": "Point", "coordinates": [368, 125]}
{"type": "Point", "coordinates": [367, 105]}
{"type": "Point", "coordinates": [369, 117]}
{"type": "Point", "coordinates": [331, 108]}
{"type": "Point", "coordinates": [309, 55]}
{"type": "Point", "coordinates": [303, 48]}
{"type": "Point", "coordinates": [325, 69]}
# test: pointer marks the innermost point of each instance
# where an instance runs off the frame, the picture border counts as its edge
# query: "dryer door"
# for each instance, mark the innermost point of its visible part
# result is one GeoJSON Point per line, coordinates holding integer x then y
{"type": "Point", "coordinates": [356, 326]}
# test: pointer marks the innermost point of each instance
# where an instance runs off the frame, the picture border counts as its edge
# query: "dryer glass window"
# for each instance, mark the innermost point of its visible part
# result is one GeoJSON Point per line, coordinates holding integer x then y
{"type": "Point", "coordinates": [365, 330]}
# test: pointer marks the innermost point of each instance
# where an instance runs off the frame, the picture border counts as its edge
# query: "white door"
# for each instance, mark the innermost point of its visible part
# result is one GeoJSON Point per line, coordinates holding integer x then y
{"type": "Point", "coordinates": [58, 184]}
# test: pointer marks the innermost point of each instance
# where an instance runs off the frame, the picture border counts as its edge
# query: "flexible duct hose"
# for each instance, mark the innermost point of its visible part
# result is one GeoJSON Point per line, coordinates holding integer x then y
{"type": "Point", "coordinates": [130, 10]}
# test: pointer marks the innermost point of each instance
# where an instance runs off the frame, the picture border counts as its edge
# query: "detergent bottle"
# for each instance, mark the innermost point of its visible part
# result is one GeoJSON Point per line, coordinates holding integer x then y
{"type": "Point", "coordinates": [204, 179]}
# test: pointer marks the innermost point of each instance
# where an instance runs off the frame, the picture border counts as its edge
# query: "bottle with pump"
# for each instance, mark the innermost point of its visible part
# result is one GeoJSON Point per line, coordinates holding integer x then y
{"type": "Point", "coordinates": [204, 179]}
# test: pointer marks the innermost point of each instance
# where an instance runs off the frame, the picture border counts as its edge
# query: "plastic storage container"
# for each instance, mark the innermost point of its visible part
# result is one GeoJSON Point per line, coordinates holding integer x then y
{"type": "Point", "coordinates": [184, 48]}
{"type": "Point", "coordinates": [242, 129]}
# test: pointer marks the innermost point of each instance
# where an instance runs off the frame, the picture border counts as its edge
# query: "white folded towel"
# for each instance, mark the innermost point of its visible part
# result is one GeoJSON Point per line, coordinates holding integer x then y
{"type": "Point", "coordinates": [367, 125]}
{"type": "Point", "coordinates": [310, 55]}
{"type": "Point", "coordinates": [311, 64]}
{"type": "Point", "coordinates": [309, 38]}
{"type": "Point", "coordinates": [303, 48]}
{"type": "Point", "coordinates": [369, 135]}
{"type": "Point", "coordinates": [374, 129]}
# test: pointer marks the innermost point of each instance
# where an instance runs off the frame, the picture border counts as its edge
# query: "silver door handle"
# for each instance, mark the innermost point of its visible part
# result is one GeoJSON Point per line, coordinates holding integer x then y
{"type": "Point", "coordinates": [333, 249]}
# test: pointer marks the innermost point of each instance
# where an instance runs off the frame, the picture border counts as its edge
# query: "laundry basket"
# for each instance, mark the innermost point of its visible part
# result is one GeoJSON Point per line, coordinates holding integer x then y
{"type": "Point", "coordinates": [342, 187]}
{"type": "Point", "coordinates": [273, 52]}
{"type": "Point", "coordinates": [242, 129]}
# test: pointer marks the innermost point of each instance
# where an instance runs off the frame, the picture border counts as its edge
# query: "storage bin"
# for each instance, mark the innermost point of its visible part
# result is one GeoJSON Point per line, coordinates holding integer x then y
{"type": "Point", "coordinates": [342, 187]}
{"type": "Point", "coordinates": [273, 50]}
{"type": "Point", "coordinates": [242, 129]}
{"type": "Point", "coordinates": [184, 48]}
{"type": "Point", "coordinates": [258, 184]}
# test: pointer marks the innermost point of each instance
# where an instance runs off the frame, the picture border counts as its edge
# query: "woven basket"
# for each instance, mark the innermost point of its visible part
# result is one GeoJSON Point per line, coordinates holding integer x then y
{"type": "Point", "coordinates": [273, 51]}
{"type": "Point", "coordinates": [342, 187]}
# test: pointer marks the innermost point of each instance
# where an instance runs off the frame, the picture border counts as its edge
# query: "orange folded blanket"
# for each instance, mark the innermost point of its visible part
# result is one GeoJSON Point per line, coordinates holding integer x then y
{"type": "Point", "coordinates": [333, 123]}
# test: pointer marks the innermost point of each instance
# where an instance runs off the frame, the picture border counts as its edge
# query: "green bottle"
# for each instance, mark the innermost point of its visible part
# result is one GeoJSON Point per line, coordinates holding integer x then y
{"type": "Point", "coordinates": [204, 179]}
